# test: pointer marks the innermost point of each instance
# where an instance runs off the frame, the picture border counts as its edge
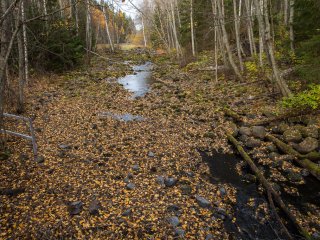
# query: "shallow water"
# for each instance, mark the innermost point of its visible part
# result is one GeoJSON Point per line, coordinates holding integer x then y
{"type": "Point", "coordinates": [139, 82]}
{"type": "Point", "coordinates": [121, 117]}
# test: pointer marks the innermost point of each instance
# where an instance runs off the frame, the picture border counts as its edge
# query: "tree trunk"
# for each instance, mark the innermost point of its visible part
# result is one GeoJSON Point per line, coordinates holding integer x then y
{"type": "Point", "coordinates": [192, 29]}
{"type": "Point", "coordinates": [25, 44]}
{"type": "Point", "coordinates": [88, 31]}
{"type": "Point", "coordinates": [226, 40]}
{"type": "Point", "coordinates": [107, 26]}
{"type": "Point", "coordinates": [291, 25]}
{"type": "Point", "coordinates": [20, 107]}
{"type": "Point", "coordinates": [285, 91]}
{"type": "Point", "coordinates": [237, 30]}
{"type": "Point", "coordinates": [143, 32]}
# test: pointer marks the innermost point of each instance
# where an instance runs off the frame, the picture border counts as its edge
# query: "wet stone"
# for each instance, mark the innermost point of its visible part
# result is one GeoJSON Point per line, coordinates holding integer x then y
{"type": "Point", "coordinates": [294, 177]}
{"type": "Point", "coordinates": [186, 189]}
{"type": "Point", "coordinates": [127, 212]}
{"type": "Point", "coordinates": [210, 237]}
{"type": "Point", "coordinates": [202, 202]}
{"type": "Point", "coordinates": [179, 232]}
{"type": "Point", "coordinates": [130, 186]}
{"type": "Point", "coordinates": [174, 221]}
{"type": "Point", "coordinates": [94, 207]}
{"type": "Point", "coordinates": [173, 208]}
{"type": "Point", "coordinates": [160, 180]}
{"type": "Point", "coordinates": [170, 182]}
{"type": "Point", "coordinates": [151, 154]}
{"type": "Point", "coordinates": [222, 191]}
{"type": "Point", "coordinates": [135, 168]}
{"type": "Point", "coordinates": [75, 207]}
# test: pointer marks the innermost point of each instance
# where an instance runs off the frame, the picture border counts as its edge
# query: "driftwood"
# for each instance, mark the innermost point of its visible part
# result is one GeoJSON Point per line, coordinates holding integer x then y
{"type": "Point", "coordinates": [268, 187]}
{"type": "Point", "coordinates": [312, 167]}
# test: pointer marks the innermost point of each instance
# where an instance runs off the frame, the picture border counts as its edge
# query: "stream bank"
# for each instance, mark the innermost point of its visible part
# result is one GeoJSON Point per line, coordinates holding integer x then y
{"type": "Point", "coordinates": [109, 178]}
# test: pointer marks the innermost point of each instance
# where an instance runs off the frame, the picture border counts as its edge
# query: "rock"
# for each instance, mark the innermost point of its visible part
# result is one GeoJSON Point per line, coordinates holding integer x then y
{"type": "Point", "coordinates": [283, 127]}
{"type": "Point", "coordinates": [304, 172]}
{"type": "Point", "coordinates": [23, 157]}
{"type": "Point", "coordinates": [174, 221]}
{"type": "Point", "coordinates": [75, 207]}
{"type": "Point", "coordinates": [275, 130]}
{"type": "Point", "coordinates": [287, 157]}
{"type": "Point", "coordinates": [170, 182]}
{"type": "Point", "coordinates": [292, 135]}
{"type": "Point", "coordinates": [222, 191]}
{"type": "Point", "coordinates": [94, 207]}
{"type": "Point", "coordinates": [130, 176]}
{"type": "Point", "coordinates": [126, 180]}
{"type": "Point", "coordinates": [186, 189]}
{"type": "Point", "coordinates": [310, 131]}
{"type": "Point", "coordinates": [179, 232]}
{"type": "Point", "coordinates": [190, 174]}
{"type": "Point", "coordinates": [245, 131]}
{"type": "Point", "coordinates": [250, 178]}
{"type": "Point", "coordinates": [65, 146]}
{"type": "Point", "coordinates": [151, 154]}
{"type": "Point", "coordinates": [274, 156]}
{"type": "Point", "coordinates": [160, 180]}
{"type": "Point", "coordinates": [234, 129]}
{"type": "Point", "coordinates": [307, 145]}
{"type": "Point", "coordinates": [294, 177]}
{"type": "Point", "coordinates": [252, 142]}
{"type": "Point", "coordinates": [131, 186]}
{"type": "Point", "coordinates": [135, 168]}
{"type": "Point", "coordinates": [94, 126]}
{"type": "Point", "coordinates": [127, 212]}
{"type": "Point", "coordinates": [271, 148]}
{"type": "Point", "coordinates": [210, 237]}
{"type": "Point", "coordinates": [40, 159]}
{"type": "Point", "coordinates": [173, 208]}
{"type": "Point", "coordinates": [258, 132]}
{"type": "Point", "coordinates": [202, 202]}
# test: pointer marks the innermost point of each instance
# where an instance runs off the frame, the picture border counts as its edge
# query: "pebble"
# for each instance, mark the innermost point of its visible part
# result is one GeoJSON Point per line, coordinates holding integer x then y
{"type": "Point", "coordinates": [170, 182]}
{"type": "Point", "coordinates": [135, 167]}
{"type": "Point", "coordinates": [204, 203]}
{"type": "Point", "coordinates": [131, 186]}
{"type": "Point", "coordinates": [179, 232]}
{"type": "Point", "coordinates": [75, 207]}
{"type": "Point", "coordinates": [174, 221]}
{"type": "Point", "coordinates": [94, 207]}
{"type": "Point", "coordinates": [160, 180]}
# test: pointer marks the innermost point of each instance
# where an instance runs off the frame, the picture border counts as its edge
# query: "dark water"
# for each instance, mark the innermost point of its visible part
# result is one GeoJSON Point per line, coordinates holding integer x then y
{"type": "Point", "coordinates": [249, 222]}
{"type": "Point", "coordinates": [139, 82]}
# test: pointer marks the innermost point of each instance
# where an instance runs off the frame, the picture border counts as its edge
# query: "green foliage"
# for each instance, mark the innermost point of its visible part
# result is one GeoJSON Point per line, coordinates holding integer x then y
{"type": "Point", "coordinates": [309, 59]}
{"type": "Point", "coordinates": [309, 99]}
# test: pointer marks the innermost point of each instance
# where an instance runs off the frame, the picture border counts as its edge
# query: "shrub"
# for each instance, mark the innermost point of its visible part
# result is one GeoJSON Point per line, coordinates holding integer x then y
{"type": "Point", "coordinates": [306, 100]}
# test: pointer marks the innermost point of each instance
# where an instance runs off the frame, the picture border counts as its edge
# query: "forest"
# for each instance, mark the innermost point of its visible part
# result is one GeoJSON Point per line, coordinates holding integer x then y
{"type": "Point", "coordinates": [160, 119]}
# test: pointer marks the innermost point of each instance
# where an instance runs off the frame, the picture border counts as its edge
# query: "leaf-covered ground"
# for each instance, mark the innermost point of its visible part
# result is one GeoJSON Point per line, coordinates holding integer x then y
{"type": "Point", "coordinates": [95, 162]}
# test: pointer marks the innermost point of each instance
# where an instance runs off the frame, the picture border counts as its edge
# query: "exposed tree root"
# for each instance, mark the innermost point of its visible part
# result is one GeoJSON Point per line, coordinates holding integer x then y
{"type": "Point", "coordinates": [268, 187]}
{"type": "Point", "coordinates": [312, 167]}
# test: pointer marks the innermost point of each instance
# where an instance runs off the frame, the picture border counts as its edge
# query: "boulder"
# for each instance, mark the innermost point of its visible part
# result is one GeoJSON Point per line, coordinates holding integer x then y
{"type": "Point", "coordinates": [258, 132]}
{"type": "Point", "coordinates": [252, 142]}
{"type": "Point", "coordinates": [245, 131]}
{"type": "Point", "coordinates": [310, 131]}
{"type": "Point", "coordinates": [307, 145]}
{"type": "Point", "coordinates": [292, 135]}
{"type": "Point", "coordinates": [283, 127]}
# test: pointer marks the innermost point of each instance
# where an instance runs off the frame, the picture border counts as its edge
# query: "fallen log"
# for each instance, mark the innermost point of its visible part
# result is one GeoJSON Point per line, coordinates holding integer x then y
{"type": "Point", "coordinates": [312, 167]}
{"type": "Point", "coordinates": [268, 187]}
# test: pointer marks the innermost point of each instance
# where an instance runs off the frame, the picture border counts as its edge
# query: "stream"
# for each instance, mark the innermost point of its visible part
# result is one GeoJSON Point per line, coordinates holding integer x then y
{"type": "Point", "coordinates": [139, 82]}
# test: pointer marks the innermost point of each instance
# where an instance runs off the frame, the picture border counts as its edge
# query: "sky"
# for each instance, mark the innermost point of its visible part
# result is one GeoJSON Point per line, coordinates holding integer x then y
{"type": "Point", "coordinates": [128, 8]}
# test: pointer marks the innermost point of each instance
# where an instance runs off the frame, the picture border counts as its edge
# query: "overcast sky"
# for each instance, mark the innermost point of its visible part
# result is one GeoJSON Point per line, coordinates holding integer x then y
{"type": "Point", "coordinates": [128, 8]}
